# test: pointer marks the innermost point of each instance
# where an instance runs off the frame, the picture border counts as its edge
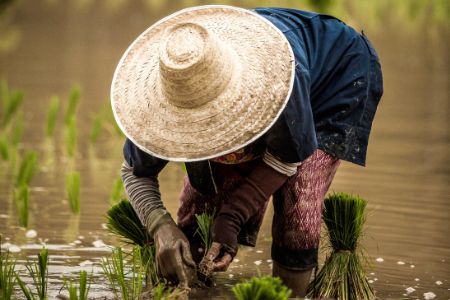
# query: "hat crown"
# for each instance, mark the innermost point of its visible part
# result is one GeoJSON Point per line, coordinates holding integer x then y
{"type": "Point", "coordinates": [194, 66]}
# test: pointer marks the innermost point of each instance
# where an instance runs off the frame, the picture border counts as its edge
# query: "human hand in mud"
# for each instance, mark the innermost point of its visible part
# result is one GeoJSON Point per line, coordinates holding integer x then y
{"type": "Point", "coordinates": [218, 258]}
{"type": "Point", "coordinates": [173, 255]}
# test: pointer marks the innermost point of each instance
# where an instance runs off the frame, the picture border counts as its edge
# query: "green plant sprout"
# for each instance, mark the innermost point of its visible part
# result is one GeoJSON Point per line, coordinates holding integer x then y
{"type": "Point", "coordinates": [27, 168]}
{"type": "Point", "coordinates": [39, 273]}
{"type": "Point", "coordinates": [342, 275]}
{"type": "Point", "coordinates": [71, 136]}
{"type": "Point", "coordinates": [21, 201]}
{"type": "Point", "coordinates": [126, 284]}
{"type": "Point", "coordinates": [11, 102]}
{"type": "Point", "coordinates": [7, 274]}
{"type": "Point", "coordinates": [96, 129]}
{"type": "Point", "coordinates": [204, 223]}
{"type": "Point", "coordinates": [118, 191]}
{"type": "Point", "coordinates": [4, 148]}
{"type": "Point", "coordinates": [74, 99]}
{"type": "Point", "coordinates": [262, 288]}
{"type": "Point", "coordinates": [73, 191]}
{"type": "Point", "coordinates": [17, 131]}
{"type": "Point", "coordinates": [163, 292]}
{"type": "Point", "coordinates": [78, 291]}
{"type": "Point", "coordinates": [52, 115]}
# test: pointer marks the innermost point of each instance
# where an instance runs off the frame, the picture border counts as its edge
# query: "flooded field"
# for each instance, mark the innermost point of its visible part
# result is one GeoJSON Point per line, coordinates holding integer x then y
{"type": "Point", "coordinates": [49, 46]}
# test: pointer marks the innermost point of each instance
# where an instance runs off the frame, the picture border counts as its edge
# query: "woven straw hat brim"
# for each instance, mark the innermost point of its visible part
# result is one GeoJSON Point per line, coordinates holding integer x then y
{"type": "Point", "coordinates": [260, 65]}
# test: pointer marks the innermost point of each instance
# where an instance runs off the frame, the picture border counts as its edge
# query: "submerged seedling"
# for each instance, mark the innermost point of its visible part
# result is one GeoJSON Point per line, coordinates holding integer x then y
{"type": "Point", "coordinates": [96, 129]}
{"type": "Point", "coordinates": [39, 274]}
{"type": "Point", "coordinates": [17, 130]}
{"type": "Point", "coordinates": [52, 115]}
{"type": "Point", "coordinates": [21, 201]}
{"type": "Point", "coordinates": [73, 191]}
{"type": "Point", "coordinates": [4, 148]}
{"type": "Point", "coordinates": [7, 274]}
{"type": "Point", "coordinates": [74, 99]}
{"type": "Point", "coordinates": [342, 275]}
{"type": "Point", "coordinates": [26, 169]}
{"type": "Point", "coordinates": [127, 283]}
{"type": "Point", "coordinates": [78, 291]}
{"type": "Point", "coordinates": [262, 288]}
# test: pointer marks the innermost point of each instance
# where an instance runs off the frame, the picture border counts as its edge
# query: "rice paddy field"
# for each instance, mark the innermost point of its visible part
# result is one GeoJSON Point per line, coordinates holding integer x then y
{"type": "Point", "coordinates": [60, 150]}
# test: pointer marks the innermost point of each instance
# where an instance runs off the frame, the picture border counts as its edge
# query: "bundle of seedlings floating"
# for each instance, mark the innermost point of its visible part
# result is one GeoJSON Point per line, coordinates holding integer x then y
{"type": "Point", "coordinates": [262, 288]}
{"type": "Point", "coordinates": [204, 223]}
{"type": "Point", "coordinates": [342, 276]}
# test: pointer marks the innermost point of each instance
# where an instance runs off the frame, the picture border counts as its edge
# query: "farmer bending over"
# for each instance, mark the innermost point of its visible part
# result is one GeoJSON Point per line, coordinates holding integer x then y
{"type": "Point", "coordinates": [257, 104]}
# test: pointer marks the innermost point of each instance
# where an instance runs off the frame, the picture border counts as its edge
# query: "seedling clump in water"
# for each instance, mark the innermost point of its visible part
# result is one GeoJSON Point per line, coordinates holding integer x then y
{"type": "Point", "coordinates": [39, 273]}
{"type": "Point", "coordinates": [80, 291]}
{"type": "Point", "coordinates": [343, 276]}
{"type": "Point", "coordinates": [52, 115]}
{"type": "Point", "coordinates": [21, 201]}
{"type": "Point", "coordinates": [27, 168]}
{"type": "Point", "coordinates": [262, 288]}
{"type": "Point", "coordinates": [7, 274]}
{"type": "Point", "coordinates": [73, 191]}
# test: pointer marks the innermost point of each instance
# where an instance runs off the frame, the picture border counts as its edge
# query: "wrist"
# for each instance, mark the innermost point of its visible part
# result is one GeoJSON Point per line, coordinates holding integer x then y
{"type": "Point", "coordinates": [156, 219]}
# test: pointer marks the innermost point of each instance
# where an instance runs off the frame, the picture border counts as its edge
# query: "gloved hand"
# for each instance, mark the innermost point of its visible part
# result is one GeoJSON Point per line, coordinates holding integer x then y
{"type": "Point", "coordinates": [244, 202]}
{"type": "Point", "coordinates": [173, 255]}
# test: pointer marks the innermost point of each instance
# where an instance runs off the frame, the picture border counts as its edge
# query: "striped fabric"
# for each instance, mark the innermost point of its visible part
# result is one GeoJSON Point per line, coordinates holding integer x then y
{"type": "Point", "coordinates": [288, 169]}
{"type": "Point", "coordinates": [144, 195]}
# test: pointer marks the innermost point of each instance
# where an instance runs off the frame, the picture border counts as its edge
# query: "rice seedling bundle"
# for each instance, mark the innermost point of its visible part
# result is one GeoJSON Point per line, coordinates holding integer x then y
{"type": "Point", "coordinates": [74, 99]}
{"type": "Point", "coordinates": [27, 168]}
{"type": "Point", "coordinates": [73, 191]}
{"type": "Point", "coordinates": [52, 115]}
{"type": "Point", "coordinates": [123, 221]}
{"type": "Point", "coordinates": [80, 291]}
{"type": "Point", "coordinates": [7, 274]}
{"type": "Point", "coordinates": [39, 273]}
{"type": "Point", "coordinates": [4, 148]}
{"type": "Point", "coordinates": [17, 131]}
{"type": "Point", "coordinates": [204, 223]}
{"type": "Point", "coordinates": [262, 288]}
{"type": "Point", "coordinates": [21, 201]}
{"type": "Point", "coordinates": [342, 276]}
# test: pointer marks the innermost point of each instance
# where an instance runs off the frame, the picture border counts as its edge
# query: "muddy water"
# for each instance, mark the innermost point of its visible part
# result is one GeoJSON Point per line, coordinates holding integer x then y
{"type": "Point", "coordinates": [58, 43]}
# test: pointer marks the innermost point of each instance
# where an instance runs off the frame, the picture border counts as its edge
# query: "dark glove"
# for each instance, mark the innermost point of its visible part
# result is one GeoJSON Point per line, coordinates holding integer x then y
{"type": "Point", "coordinates": [244, 202]}
{"type": "Point", "coordinates": [173, 255]}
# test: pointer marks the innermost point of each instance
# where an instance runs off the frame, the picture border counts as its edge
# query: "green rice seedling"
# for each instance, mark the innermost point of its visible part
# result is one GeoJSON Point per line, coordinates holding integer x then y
{"type": "Point", "coordinates": [26, 169]}
{"type": "Point", "coordinates": [11, 104]}
{"type": "Point", "coordinates": [17, 131]}
{"type": "Point", "coordinates": [52, 115]}
{"type": "Point", "coordinates": [71, 136]}
{"type": "Point", "coordinates": [118, 191]}
{"type": "Point", "coordinates": [123, 221]}
{"type": "Point", "coordinates": [39, 273]}
{"type": "Point", "coordinates": [343, 276]}
{"type": "Point", "coordinates": [163, 292]}
{"type": "Point", "coordinates": [78, 291]}
{"type": "Point", "coordinates": [74, 99]}
{"type": "Point", "coordinates": [4, 148]}
{"type": "Point", "coordinates": [262, 288]}
{"type": "Point", "coordinates": [7, 274]}
{"type": "Point", "coordinates": [73, 191]}
{"type": "Point", "coordinates": [127, 284]}
{"type": "Point", "coordinates": [204, 223]}
{"type": "Point", "coordinates": [96, 129]}
{"type": "Point", "coordinates": [21, 201]}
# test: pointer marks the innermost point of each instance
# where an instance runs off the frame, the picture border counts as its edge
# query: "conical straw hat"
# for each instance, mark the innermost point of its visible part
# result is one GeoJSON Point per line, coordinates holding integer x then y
{"type": "Point", "coordinates": [202, 82]}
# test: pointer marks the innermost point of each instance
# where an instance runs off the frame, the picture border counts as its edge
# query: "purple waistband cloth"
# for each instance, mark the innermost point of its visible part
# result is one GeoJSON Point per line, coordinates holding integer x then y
{"type": "Point", "coordinates": [297, 209]}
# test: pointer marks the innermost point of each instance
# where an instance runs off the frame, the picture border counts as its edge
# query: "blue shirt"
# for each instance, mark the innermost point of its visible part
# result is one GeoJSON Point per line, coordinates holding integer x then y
{"type": "Point", "coordinates": [338, 85]}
